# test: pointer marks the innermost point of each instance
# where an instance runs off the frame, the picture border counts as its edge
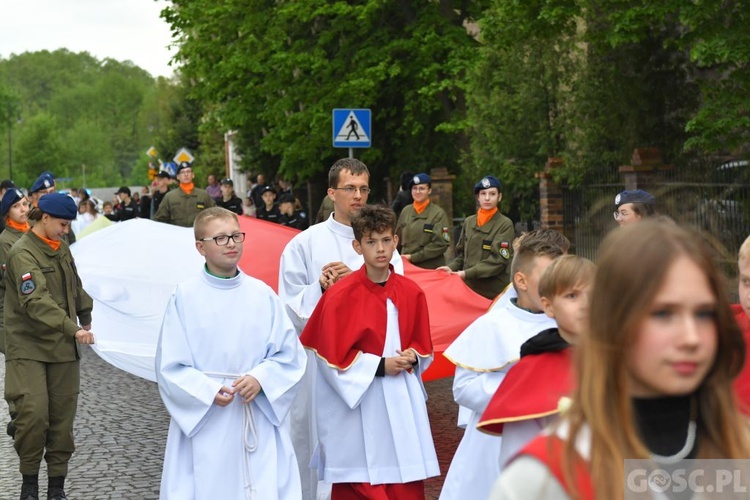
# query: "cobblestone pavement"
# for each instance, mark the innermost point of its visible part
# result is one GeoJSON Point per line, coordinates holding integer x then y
{"type": "Point", "coordinates": [121, 430]}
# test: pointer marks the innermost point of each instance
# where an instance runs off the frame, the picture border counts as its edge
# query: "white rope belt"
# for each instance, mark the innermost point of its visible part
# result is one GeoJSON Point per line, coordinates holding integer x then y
{"type": "Point", "coordinates": [249, 433]}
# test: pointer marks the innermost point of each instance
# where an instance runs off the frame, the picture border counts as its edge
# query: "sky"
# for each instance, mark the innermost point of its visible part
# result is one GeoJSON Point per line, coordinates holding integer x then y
{"type": "Point", "coordinates": [124, 30]}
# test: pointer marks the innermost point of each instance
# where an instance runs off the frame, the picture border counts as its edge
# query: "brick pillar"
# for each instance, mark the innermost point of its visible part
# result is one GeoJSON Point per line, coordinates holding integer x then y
{"type": "Point", "coordinates": [645, 166]}
{"type": "Point", "coordinates": [442, 190]}
{"type": "Point", "coordinates": [550, 196]}
{"type": "Point", "coordinates": [442, 196]}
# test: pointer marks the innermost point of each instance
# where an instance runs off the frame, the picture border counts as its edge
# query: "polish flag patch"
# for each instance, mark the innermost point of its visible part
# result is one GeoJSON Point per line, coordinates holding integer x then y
{"type": "Point", "coordinates": [26, 276]}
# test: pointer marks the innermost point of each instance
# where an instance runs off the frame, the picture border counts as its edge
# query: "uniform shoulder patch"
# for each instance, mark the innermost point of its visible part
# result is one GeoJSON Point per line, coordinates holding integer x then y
{"type": "Point", "coordinates": [446, 235]}
{"type": "Point", "coordinates": [27, 284]}
{"type": "Point", "coordinates": [505, 253]}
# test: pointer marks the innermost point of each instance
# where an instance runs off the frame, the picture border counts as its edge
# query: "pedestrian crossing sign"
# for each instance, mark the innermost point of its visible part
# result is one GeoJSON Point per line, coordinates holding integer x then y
{"type": "Point", "coordinates": [352, 128]}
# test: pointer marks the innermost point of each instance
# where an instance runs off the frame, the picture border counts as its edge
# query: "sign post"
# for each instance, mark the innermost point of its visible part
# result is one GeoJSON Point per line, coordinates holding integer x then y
{"type": "Point", "coordinates": [352, 128]}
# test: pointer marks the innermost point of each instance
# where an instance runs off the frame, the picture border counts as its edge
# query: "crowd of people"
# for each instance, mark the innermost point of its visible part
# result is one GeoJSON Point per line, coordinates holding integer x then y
{"type": "Point", "coordinates": [317, 391]}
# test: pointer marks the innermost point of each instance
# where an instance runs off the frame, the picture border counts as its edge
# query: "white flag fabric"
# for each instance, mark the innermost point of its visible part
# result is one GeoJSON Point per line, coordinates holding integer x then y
{"type": "Point", "coordinates": [130, 270]}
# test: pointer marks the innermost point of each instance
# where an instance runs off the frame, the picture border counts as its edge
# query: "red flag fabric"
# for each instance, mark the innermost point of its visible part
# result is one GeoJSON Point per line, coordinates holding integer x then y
{"type": "Point", "coordinates": [264, 242]}
{"type": "Point", "coordinates": [453, 306]}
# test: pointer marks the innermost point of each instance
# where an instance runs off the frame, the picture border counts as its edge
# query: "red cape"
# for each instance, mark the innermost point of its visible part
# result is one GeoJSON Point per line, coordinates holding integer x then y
{"type": "Point", "coordinates": [742, 382]}
{"type": "Point", "coordinates": [452, 305]}
{"type": "Point", "coordinates": [351, 318]}
{"type": "Point", "coordinates": [531, 389]}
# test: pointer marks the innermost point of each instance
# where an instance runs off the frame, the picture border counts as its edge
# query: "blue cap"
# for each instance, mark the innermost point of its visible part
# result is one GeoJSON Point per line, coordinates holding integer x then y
{"type": "Point", "coordinates": [486, 183]}
{"type": "Point", "coordinates": [58, 205]}
{"type": "Point", "coordinates": [45, 181]}
{"type": "Point", "coordinates": [634, 196]}
{"type": "Point", "coordinates": [10, 198]}
{"type": "Point", "coordinates": [420, 179]}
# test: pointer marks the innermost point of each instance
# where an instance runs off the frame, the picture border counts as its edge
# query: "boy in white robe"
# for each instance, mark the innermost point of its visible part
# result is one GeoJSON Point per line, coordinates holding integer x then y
{"type": "Point", "coordinates": [484, 353]}
{"type": "Point", "coordinates": [371, 335]}
{"type": "Point", "coordinates": [311, 262]}
{"type": "Point", "coordinates": [228, 362]}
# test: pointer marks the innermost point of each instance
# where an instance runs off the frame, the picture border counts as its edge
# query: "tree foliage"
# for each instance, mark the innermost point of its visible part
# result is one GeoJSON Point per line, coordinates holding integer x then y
{"type": "Point", "coordinates": [275, 70]}
{"type": "Point", "coordinates": [78, 116]}
{"type": "Point", "coordinates": [477, 86]}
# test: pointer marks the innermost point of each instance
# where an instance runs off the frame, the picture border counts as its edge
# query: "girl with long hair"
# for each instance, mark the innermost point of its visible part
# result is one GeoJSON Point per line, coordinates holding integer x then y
{"type": "Point", "coordinates": [654, 371]}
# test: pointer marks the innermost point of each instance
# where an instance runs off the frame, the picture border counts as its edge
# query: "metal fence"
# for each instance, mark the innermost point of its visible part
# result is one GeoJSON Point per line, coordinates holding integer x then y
{"type": "Point", "coordinates": [720, 211]}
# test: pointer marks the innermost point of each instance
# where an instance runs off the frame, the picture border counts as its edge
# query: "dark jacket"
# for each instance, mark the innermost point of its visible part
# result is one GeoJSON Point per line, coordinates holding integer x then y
{"type": "Point", "coordinates": [273, 215]}
{"type": "Point", "coordinates": [234, 204]}
{"type": "Point", "coordinates": [298, 220]}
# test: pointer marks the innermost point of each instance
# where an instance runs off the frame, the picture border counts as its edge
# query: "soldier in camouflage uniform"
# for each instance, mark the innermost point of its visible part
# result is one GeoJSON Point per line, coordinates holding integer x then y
{"type": "Point", "coordinates": [484, 249]}
{"type": "Point", "coordinates": [423, 228]}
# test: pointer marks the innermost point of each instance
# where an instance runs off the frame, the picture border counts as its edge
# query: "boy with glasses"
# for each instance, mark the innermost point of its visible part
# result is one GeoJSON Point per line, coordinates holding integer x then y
{"type": "Point", "coordinates": [181, 206]}
{"type": "Point", "coordinates": [228, 386]}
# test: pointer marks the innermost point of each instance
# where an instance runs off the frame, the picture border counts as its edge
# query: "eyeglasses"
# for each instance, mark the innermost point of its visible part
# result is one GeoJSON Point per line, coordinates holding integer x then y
{"type": "Point", "coordinates": [223, 240]}
{"type": "Point", "coordinates": [350, 190]}
{"type": "Point", "coordinates": [420, 189]}
{"type": "Point", "coordinates": [624, 213]}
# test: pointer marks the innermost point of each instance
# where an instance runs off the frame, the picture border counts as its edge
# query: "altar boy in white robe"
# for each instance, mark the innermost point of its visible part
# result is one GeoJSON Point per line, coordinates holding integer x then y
{"type": "Point", "coordinates": [484, 353]}
{"type": "Point", "coordinates": [227, 364]}
{"type": "Point", "coordinates": [371, 334]}
{"type": "Point", "coordinates": [313, 261]}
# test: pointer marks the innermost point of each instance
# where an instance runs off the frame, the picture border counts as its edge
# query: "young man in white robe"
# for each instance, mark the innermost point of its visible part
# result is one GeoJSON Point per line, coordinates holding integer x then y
{"type": "Point", "coordinates": [371, 336]}
{"type": "Point", "coordinates": [228, 363]}
{"type": "Point", "coordinates": [311, 262]}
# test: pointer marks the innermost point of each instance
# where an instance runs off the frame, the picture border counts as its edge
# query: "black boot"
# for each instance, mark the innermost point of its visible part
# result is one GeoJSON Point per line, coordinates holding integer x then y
{"type": "Point", "coordinates": [30, 487]}
{"type": "Point", "coordinates": [11, 429]}
{"type": "Point", "coordinates": [55, 490]}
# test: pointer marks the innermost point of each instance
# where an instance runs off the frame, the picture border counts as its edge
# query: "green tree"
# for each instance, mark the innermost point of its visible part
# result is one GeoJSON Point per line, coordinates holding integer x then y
{"type": "Point", "coordinates": [10, 114]}
{"type": "Point", "coordinates": [102, 115]}
{"type": "Point", "coordinates": [713, 35]}
{"type": "Point", "coordinates": [520, 96]}
{"type": "Point", "coordinates": [39, 147]}
{"type": "Point", "coordinates": [274, 71]}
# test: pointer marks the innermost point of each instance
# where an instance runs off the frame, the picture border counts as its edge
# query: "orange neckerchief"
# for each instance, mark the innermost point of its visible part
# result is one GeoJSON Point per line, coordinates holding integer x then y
{"type": "Point", "coordinates": [17, 225]}
{"type": "Point", "coordinates": [187, 188]}
{"type": "Point", "coordinates": [485, 215]}
{"type": "Point", "coordinates": [54, 244]}
{"type": "Point", "coordinates": [419, 207]}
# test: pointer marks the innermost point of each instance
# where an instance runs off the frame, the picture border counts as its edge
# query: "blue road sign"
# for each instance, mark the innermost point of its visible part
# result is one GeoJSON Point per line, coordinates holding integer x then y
{"type": "Point", "coordinates": [352, 128]}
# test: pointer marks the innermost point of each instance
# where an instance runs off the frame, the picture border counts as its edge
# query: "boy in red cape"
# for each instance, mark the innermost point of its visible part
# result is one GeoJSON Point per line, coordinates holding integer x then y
{"type": "Point", "coordinates": [371, 334]}
{"type": "Point", "coordinates": [742, 315]}
{"type": "Point", "coordinates": [529, 396]}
